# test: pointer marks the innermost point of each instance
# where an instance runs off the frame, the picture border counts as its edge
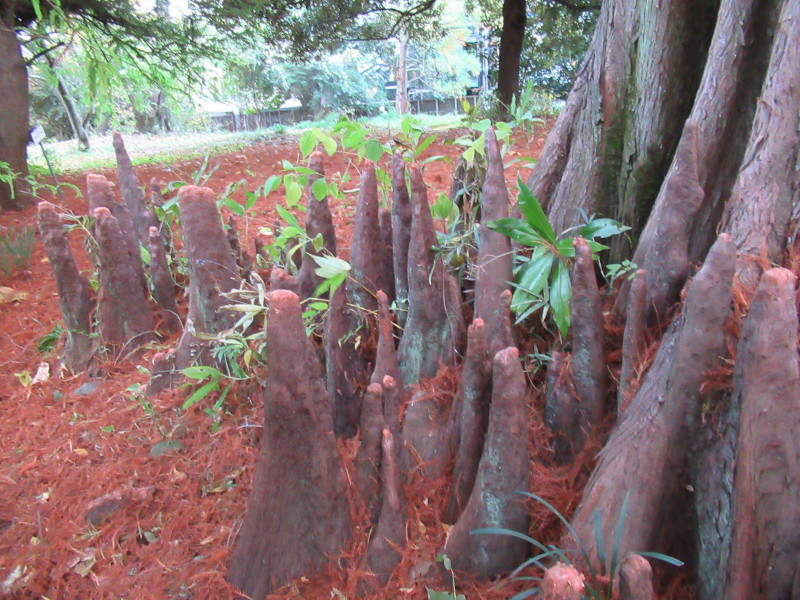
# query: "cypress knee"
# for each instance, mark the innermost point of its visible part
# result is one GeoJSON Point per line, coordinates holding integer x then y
{"type": "Point", "coordinates": [75, 296]}
{"type": "Point", "coordinates": [503, 471]}
{"type": "Point", "coordinates": [297, 516]}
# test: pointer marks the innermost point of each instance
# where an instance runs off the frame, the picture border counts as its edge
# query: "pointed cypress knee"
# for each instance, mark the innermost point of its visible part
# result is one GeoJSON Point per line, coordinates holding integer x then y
{"type": "Point", "coordinates": [561, 405]}
{"type": "Point", "coordinates": [474, 396]}
{"type": "Point", "coordinates": [633, 340]}
{"type": "Point", "coordinates": [392, 404]}
{"type": "Point", "coordinates": [402, 212]}
{"type": "Point", "coordinates": [503, 471]}
{"type": "Point", "coordinates": [764, 561]}
{"type": "Point", "coordinates": [297, 516]}
{"type": "Point", "coordinates": [368, 458]}
{"type": "Point", "coordinates": [156, 194]}
{"type": "Point", "coordinates": [100, 194]}
{"type": "Point", "coordinates": [666, 257]}
{"type": "Point", "coordinates": [493, 269]}
{"type": "Point", "coordinates": [575, 401]}
{"type": "Point", "coordinates": [75, 296]}
{"type": "Point", "coordinates": [636, 579]}
{"type": "Point", "coordinates": [212, 272]}
{"type": "Point", "coordinates": [345, 366]}
{"type": "Point", "coordinates": [124, 314]}
{"type": "Point", "coordinates": [240, 255]}
{"type": "Point", "coordinates": [389, 539]}
{"type": "Point", "coordinates": [386, 356]}
{"type": "Point", "coordinates": [163, 285]}
{"type": "Point", "coordinates": [562, 582]}
{"type": "Point", "coordinates": [366, 251]}
{"type": "Point", "coordinates": [588, 352]}
{"type": "Point", "coordinates": [434, 331]}
{"type": "Point", "coordinates": [132, 194]}
{"type": "Point", "coordinates": [385, 224]}
{"type": "Point", "coordinates": [319, 221]}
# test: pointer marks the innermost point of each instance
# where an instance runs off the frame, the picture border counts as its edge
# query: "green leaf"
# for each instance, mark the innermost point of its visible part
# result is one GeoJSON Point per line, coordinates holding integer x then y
{"type": "Point", "coordinates": [308, 141]}
{"type": "Point", "coordinates": [201, 372]}
{"type": "Point", "coordinates": [354, 139]}
{"type": "Point", "coordinates": [533, 276]}
{"type": "Point", "coordinates": [327, 141]}
{"type": "Point", "coordinates": [293, 190]}
{"type": "Point", "coordinates": [424, 144]}
{"type": "Point", "coordinates": [469, 154]}
{"type": "Point", "coordinates": [234, 206]}
{"type": "Point", "coordinates": [330, 266]}
{"type": "Point", "coordinates": [533, 212]}
{"type": "Point", "coordinates": [200, 393]}
{"type": "Point", "coordinates": [330, 285]}
{"type": "Point", "coordinates": [319, 188]}
{"type": "Point", "coordinates": [602, 228]}
{"type": "Point", "coordinates": [561, 297]}
{"type": "Point", "coordinates": [288, 217]}
{"type": "Point", "coordinates": [518, 230]}
{"type": "Point", "coordinates": [374, 150]}
{"type": "Point", "coordinates": [565, 248]}
{"type": "Point", "coordinates": [658, 556]}
{"type": "Point", "coordinates": [272, 183]}
{"type": "Point", "coordinates": [483, 125]}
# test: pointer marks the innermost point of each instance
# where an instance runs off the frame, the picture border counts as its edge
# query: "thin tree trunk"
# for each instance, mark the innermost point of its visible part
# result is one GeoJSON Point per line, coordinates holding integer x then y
{"type": "Point", "coordinates": [401, 75]}
{"type": "Point", "coordinates": [75, 122]}
{"type": "Point", "coordinates": [514, 20]}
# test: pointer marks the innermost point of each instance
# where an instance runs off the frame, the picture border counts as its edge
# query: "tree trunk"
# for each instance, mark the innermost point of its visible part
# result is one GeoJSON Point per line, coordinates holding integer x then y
{"type": "Point", "coordinates": [75, 122]}
{"type": "Point", "coordinates": [514, 20]}
{"type": "Point", "coordinates": [684, 126]}
{"type": "Point", "coordinates": [13, 120]}
{"type": "Point", "coordinates": [401, 75]}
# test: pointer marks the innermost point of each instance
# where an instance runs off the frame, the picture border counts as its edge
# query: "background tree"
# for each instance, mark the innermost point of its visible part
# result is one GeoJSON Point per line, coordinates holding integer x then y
{"type": "Point", "coordinates": [542, 41]}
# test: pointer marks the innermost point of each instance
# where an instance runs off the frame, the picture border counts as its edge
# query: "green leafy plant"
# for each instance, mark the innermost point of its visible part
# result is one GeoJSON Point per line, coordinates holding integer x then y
{"type": "Point", "coordinates": [16, 248]}
{"type": "Point", "coordinates": [626, 269]}
{"type": "Point", "coordinates": [445, 595]}
{"type": "Point", "coordinates": [48, 341]}
{"type": "Point", "coordinates": [7, 176]}
{"type": "Point", "coordinates": [600, 584]}
{"type": "Point", "coordinates": [542, 280]}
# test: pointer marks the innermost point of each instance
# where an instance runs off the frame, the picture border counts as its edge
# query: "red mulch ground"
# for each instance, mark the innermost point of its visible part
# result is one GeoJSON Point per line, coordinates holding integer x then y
{"type": "Point", "coordinates": [60, 450]}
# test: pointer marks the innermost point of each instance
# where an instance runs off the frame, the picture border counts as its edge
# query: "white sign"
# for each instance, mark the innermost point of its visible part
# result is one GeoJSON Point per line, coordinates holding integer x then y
{"type": "Point", "coordinates": [37, 135]}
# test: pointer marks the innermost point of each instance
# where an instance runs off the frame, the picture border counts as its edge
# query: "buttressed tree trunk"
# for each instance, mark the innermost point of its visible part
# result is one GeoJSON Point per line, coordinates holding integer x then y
{"type": "Point", "coordinates": [13, 119]}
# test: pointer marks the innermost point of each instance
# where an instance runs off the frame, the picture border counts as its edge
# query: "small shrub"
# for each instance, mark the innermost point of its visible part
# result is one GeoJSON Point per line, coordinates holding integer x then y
{"type": "Point", "coordinates": [16, 248]}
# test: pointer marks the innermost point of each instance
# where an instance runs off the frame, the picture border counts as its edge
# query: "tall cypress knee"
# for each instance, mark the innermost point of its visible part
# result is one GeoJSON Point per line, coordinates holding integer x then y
{"type": "Point", "coordinates": [402, 212]}
{"type": "Point", "coordinates": [434, 331]}
{"type": "Point", "coordinates": [297, 515]}
{"type": "Point", "coordinates": [503, 471]}
{"type": "Point", "coordinates": [75, 296]}
{"type": "Point", "coordinates": [124, 315]}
